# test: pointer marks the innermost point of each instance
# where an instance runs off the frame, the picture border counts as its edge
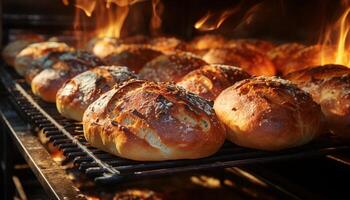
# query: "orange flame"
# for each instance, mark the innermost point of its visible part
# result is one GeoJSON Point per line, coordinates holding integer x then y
{"type": "Point", "coordinates": [212, 21]}
{"type": "Point", "coordinates": [340, 44]}
{"type": "Point", "coordinates": [156, 22]}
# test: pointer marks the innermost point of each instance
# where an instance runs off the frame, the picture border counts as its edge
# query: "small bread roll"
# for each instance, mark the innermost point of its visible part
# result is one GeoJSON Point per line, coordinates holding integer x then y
{"type": "Point", "coordinates": [308, 57]}
{"type": "Point", "coordinates": [150, 121]}
{"type": "Point", "coordinates": [262, 46]}
{"type": "Point", "coordinates": [329, 87]}
{"type": "Point", "coordinates": [47, 82]}
{"type": "Point", "coordinates": [268, 113]}
{"type": "Point", "coordinates": [78, 93]}
{"type": "Point", "coordinates": [210, 80]}
{"type": "Point", "coordinates": [168, 44]}
{"type": "Point", "coordinates": [11, 50]}
{"type": "Point", "coordinates": [132, 56]}
{"type": "Point", "coordinates": [208, 42]}
{"type": "Point", "coordinates": [24, 60]}
{"type": "Point", "coordinates": [171, 67]}
{"type": "Point", "coordinates": [251, 61]}
{"type": "Point", "coordinates": [335, 103]}
{"type": "Point", "coordinates": [311, 79]}
{"type": "Point", "coordinates": [281, 54]}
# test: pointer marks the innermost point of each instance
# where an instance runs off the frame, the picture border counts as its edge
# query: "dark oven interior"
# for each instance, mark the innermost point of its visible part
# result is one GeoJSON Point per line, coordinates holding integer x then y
{"type": "Point", "coordinates": [63, 166]}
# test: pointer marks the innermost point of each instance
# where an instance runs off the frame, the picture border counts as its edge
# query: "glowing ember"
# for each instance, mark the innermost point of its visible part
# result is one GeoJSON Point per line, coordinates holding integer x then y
{"type": "Point", "coordinates": [57, 155]}
{"type": "Point", "coordinates": [336, 37]}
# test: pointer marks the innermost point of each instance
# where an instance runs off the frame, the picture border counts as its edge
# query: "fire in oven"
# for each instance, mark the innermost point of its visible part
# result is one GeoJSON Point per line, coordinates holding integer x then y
{"type": "Point", "coordinates": [160, 99]}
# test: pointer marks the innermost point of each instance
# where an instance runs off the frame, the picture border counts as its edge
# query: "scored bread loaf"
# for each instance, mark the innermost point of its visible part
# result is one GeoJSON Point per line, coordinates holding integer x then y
{"type": "Point", "coordinates": [78, 93]}
{"type": "Point", "coordinates": [268, 113]}
{"type": "Point", "coordinates": [171, 67]}
{"type": "Point", "coordinates": [210, 80]}
{"type": "Point", "coordinates": [251, 61]}
{"type": "Point", "coordinates": [48, 81]}
{"type": "Point", "coordinates": [25, 58]}
{"type": "Point", "coordinates": [149, 121]}
{"type": "Point", "coordinates": [132, 56]}
{"type": "Point", "coordinates": [329, 87]}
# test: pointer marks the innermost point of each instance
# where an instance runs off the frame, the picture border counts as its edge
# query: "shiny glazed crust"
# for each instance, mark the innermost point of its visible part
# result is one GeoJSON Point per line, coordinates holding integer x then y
{"type": "Point", "coordinates": [24, 60]}
{"type": "Point", "coordinates": [150, 121]}
{"type": "Point", "coordinates": [251, 61]}
{"type": "Point", "coordinates": [268, 113]}
{"type": "Point", "coordinates": [132, 56]}
{"type": "Point", "coordinates": [78, 93]}
{"type": "Point", "coordinates": [171, 67]}
{"type": "Point", "coordinates": [47, 82]}
{"type": "Point", "coordinates": [210, 80]}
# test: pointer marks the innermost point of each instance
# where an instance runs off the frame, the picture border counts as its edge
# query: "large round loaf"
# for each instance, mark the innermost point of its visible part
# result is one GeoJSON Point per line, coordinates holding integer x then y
{"type": "Point", "coordinates": [268, 114]}
{"type": "Point", "coordinates": [47, 82]}
{"type": "Point", "coordinates": [25, 59]}
{"type": "Point", "coordinates": [150, 121]}
{"type": "Point", "coordinates": [210, 80]}
{"type": "Point", "coordinates": [78, 93]}
{"type": "Point", "coordinates": [171, 67]}
{"type": "Point", "coordinates": [251, 61]}
{"type": "Point", "coordinates": [132, 56]}
{"type": "Point", "coordinates": [329, 87]}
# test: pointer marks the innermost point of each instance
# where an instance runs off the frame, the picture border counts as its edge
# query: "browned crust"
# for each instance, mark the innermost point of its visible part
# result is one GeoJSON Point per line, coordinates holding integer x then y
{"type": "Point", "coordinates": [144, 120]}
{"type": "Point", "coordinates": [78, 93]}
{"type": "Point", "coordinates": [168, 44]}
{"type": "Point", "coordinates": [251, 61]}
{"type": "Point", "coordinates": [263, 46]}
{"type": "Point", "coordinates": [281, 54]}
{"type": "Point", "coordinates": [47, 82]}
{"type": "Point", "coordinates": [132, 56]}
{"type": "Point", "coordinates": [210, 80]}
{"type": "Point", "coordinates": [268, 114]}
{"type": "Point", "coordinates": [207, 41]}
{"type": "Point", "coordinates": [24, 60]}
{"type": "Point", "coordinates": [171, 67]}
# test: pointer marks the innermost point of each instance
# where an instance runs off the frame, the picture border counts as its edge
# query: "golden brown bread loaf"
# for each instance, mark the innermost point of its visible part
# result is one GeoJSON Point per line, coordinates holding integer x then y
{"type": "Point", "coordinates": [268, 113]}
{"type": "Point", "coordinates": [150, 121]}
{"type": "Point", "coordinates": [26, 58]}
{"type": "Point", "coordinates": [132, 56]}
{"type": "Point", "coordinates": [329, 87]}
{"type": "Point", "coordinates": [251, 61]}
{"type": "Point", "coordinates": [281, 54]}
{"type": "Point", "coordinates": [171, 67]}
{"type": "Point", "coordinates": [262, 46]}
{"type": "Point", "coordinates": [103, 46]}
{"type": "Point", "coordinates": [11, 50]}
{"type": "Point", "coordinates": [167, 44]}
{"type": "Point", "coordinates": [210, 80]}
{"type": "Point", "coordinates": [47, 82]}
{"type": "Point", "coordinates": [308, 57]}
{"type": "Point", "coordinates": [78, 93]}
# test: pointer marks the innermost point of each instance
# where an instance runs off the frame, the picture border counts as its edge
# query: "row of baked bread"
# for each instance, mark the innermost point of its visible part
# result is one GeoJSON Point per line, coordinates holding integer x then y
{"type": "Point", "coordinates": [151, 120]}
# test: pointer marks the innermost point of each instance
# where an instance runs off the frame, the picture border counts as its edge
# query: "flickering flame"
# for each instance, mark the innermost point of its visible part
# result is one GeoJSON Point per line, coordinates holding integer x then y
{"type": "Point", "coordinates": [87, 6]}
{"type": "Point", "coordinates": [156, 22]}
{"type": "Point", "coordinates": [212, 21]}
{"type": "Point", "coordinates": [336, 37]}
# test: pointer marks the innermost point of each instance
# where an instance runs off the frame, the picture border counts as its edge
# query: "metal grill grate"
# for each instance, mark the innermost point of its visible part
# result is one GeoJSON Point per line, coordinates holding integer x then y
{"type": "Point", "coordinates": [105, 168]}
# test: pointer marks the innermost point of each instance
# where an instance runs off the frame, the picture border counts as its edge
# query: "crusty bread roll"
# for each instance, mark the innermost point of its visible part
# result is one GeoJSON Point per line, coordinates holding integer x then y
{"type": "Point", "coordinates": [11, 50]}
{"type": "Point", "coordinates": [308, 57]}
{"type": "Point", "coordinates": [251, 61]}
{"type": "Point", "coordinates": [168, 44]}
{"type": "Point", "coordinates": [210, 80]}
{"type": "Point", "coordinates": [103, 46]}
{"type": "Point", "coordinates": [329, 86]}
{"type": "Point", "coordinates": [171, 67]}
{"type": "Point", "coordinates": [132, 56]}
{"type": "Point", "coordinates": [150, 121]}
{"type": "Point", "coordinates": [207, 42]}
{"type": "Point", "coordinates": [262, 46]}
{"type": "Point", "coordinates": [281, 54]}
{"type": "Point", "coordinates": [78, 93]}
{"type": "Point", "coordinates": [24, 60]}
{"type": "Point", "coordinates": [311, 79]}
{"type": "Point", "coordinates": [47, 82]}
{"type": "Point", "coordinates": [268, 113]}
